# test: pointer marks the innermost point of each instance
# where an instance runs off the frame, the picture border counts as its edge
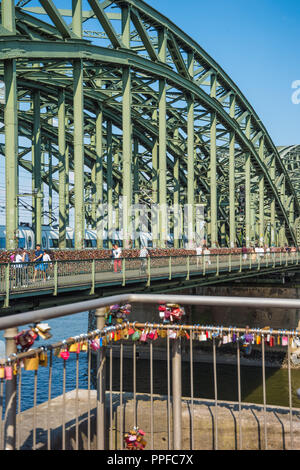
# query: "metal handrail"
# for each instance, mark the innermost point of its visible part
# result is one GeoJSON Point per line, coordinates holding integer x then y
{"type": "Point", "coordinates": [36, 316]}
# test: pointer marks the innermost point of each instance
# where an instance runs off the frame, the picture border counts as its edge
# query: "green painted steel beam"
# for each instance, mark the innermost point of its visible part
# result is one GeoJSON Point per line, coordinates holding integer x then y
{"type": "Point", "coordinates": [105, 23]}
{"type": "Point", "coordinates": [213, 170]}
{"type": "Point", "coordinates": [62, 168]}
{"type": "Point", "coordinates": [232, 211]}
{"type": "Point", "coordinates": [8, 26]}
{"type": "Point", "coordinates": [57, 19]}
{"type": "Point", "coordinates": [11, 152]}
{"type": "Point", "coordinates": [36, 164]}
{"type": "Point", "coordinates": [162, 142]}
{"type": "Point", "coordinates": [78, 138]}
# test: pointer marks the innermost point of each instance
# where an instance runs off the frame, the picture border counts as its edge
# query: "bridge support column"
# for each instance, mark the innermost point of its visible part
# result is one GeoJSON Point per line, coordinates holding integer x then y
{"type": "Point", "coordinates": [127, 155]}
{"type": "Point", "coordinates": [154, 199]}
{"type": "Point", "coordinates": [282, 237]}
{"type": "Point", "coordinates": [78, 154]}
{"type": "Point", "coordinates": [36, 167]}
{"type": "Point", "coordinates": [11, 151]}
{"type": "Point", "coordinates": [78, 134]}
{"type": "Point", "coordinates": [136, 215]}
{"type": "Point", "coordinates": [261, 197]}
{"type": "Point", "coordinates": [191, 160]}
{"type": "Point", "coordinates": [272, 208]}
{"type": "Point", "coordinates": [62, 168]}
{"type": "Point", "coordinates": [50, 189]}
{"type": "Point", "coordinates": [127, 132]}
{"type": "Point", "coordinates": [162, 116]}
{"type": "Point", "coordinates": [176, 199]}
{"type": "Point", "coordinates": [109, 182]}
{"type": "Point", "coordinates": [232, 227]}
{"type": "Point", "coordinates": [99, 177]}
{"type": "Point", "coordinates": [213, 169]}
{"type": "Point", "coordinates": [248, 188]}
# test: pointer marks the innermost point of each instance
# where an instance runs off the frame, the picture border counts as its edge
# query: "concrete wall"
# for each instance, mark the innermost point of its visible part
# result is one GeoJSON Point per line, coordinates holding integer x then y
{"type": "Point", "coordinates": [241, 317]}
{"type": "Point", "coordinates": [206, 418]}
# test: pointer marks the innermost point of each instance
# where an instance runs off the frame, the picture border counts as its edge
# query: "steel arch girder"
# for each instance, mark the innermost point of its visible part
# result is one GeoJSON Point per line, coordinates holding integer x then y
{"type": "Point", "coordinates": [72, 50]}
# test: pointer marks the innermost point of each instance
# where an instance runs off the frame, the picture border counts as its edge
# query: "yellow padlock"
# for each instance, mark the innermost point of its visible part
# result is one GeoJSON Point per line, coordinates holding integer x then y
{"type": "Point", "coordinates": [43, 359]}
{"type": "Point", "coordinates": [2, 372]}
{"type": "Point", "coordinates": [74, 348]}
{"type": "Point", "coordinates": [31, 363]}
{"type": "Point", "coordinates": [162, 333]}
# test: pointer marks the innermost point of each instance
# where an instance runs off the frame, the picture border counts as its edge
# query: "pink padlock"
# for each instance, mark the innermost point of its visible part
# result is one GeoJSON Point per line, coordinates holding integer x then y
{"type": "Point", "coordinates": [65, 355]}
{"type": "Point", "coordinates": [8, 372]}
{"type": "Point", "coordinates": [94, 344]}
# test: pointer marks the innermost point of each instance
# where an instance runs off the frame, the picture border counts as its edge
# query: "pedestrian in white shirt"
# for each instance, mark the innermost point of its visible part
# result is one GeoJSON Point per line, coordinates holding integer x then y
{"type": "Point", "coordinates": [206, 253]}
{"type": "Point", "coordinates": [198, 254]}
{"type": "Point", "coordinates": [46, 260]}
{"type": "Point", "coordinates": [18, 265]}
{"type": "Point", "coordinates": [144, 253]}
{"type": "Point", "coordinates": [117, 253]}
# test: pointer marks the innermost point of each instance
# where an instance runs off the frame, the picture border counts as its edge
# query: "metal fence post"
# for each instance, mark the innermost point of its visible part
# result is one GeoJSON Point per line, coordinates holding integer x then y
{"type": "Point", "coordinates": [176, 392]}
{"type": "Point", "coordinates": [101, 385]}
{"type": "Point", "coordinates": [149, 271]}
{"type": "Point", "coordinates": [55, 279]}
{"type": "Point", "coordinates": [123, 273]}
{"type": "Point", "coordinates": [188, 268]}
{"type": "Point", "coordinates": [93, 278]}
{"type": "Point", "coordinates": [10, 417]}
{"type": "Point", "coordinates": [7, 271]}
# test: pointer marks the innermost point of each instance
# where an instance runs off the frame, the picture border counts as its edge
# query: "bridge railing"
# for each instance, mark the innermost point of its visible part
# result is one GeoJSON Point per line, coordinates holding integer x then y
{"type": "Point", "coordinates": [145, 376]}
{"type": "Point", "coordinates": [20, 277]}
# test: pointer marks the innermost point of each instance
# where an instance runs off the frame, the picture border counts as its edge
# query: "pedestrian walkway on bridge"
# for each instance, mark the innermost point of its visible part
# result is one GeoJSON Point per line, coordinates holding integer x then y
{"type": "Point", "coordinates": [17, 280]}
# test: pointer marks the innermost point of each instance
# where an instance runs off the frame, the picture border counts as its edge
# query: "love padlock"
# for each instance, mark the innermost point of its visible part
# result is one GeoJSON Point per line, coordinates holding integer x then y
{"type": "Point", "coordinates": [64, 354]}
{"type": "Point", "coordinates": [8, 372]}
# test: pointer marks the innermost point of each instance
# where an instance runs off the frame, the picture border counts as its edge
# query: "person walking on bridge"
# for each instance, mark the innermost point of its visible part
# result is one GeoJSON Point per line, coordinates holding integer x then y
{"type": "Point", "coordinates": [206, 253]}
{"type": "Point", "coordinates": [38, 259]}
{"type": "Point", "coordinates": [117, 253]}
{"type": "Point", "coordinates": [245, 252]}
{"type": "Point", "coordinates": [198, 254]}
{"type": "Point", "coordinates": [144, 254]}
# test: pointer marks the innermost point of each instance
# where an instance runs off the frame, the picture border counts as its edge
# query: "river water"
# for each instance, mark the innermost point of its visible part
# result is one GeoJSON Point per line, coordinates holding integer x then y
{"type": "Point", "coordinates": [251, 377]}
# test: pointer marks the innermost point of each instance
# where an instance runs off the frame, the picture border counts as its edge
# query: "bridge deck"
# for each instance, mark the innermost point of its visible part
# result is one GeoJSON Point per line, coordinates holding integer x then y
{"type": "Point", "coordinates": [64, 276]}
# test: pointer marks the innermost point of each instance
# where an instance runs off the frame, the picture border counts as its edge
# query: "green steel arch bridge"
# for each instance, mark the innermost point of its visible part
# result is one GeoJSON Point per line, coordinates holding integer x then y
{"type": "Point", "coordinates": [117, 101]}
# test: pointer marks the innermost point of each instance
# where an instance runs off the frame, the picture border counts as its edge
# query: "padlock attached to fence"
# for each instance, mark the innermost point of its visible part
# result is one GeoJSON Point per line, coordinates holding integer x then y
{"type": "Point", "coordinates": [171, 313]}
{"type": "Point", "coordinates": [134, 439]}
{"type": "Point", "coordinates": [117, 314]}
{"type": "Point", "coordinates": [25, 339]}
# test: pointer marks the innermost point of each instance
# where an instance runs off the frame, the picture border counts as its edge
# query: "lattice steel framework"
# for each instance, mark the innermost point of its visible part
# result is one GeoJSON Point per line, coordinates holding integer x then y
{"type": "Point", "coordinates": [116, 93]}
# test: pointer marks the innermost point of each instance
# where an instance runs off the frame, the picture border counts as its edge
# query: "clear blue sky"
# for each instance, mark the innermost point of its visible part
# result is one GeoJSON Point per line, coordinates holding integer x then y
{"type": "Point", "coordinates": [257, 44]}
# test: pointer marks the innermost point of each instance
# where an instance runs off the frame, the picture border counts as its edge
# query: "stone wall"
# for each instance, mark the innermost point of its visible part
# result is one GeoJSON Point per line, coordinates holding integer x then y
{"type": "Point", "coordinates": [241, 317]}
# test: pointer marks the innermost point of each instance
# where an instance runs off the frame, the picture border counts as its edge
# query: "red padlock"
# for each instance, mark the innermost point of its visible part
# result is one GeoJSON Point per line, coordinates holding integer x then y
{"type": "Point", "coordinates": [65, 354]}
